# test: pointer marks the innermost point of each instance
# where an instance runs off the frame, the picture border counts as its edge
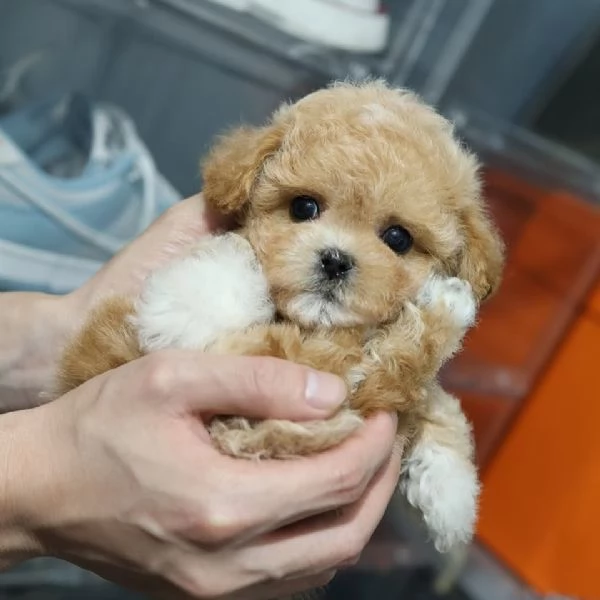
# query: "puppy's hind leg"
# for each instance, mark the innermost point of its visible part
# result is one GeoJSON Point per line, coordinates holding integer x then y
{"type": "Point", "coordinates": [107, 340]}
{"type": "Point", "coordinates": [277, 438]}
{"type": "Point", "coordinates": [281, 439]}
{"type": "Point", "coordinates": [439, 477]}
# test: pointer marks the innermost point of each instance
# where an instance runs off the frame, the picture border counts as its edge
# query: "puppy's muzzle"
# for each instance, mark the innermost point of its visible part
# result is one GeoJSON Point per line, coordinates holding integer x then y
{"type": "Point", "coordinates": [335, 264]}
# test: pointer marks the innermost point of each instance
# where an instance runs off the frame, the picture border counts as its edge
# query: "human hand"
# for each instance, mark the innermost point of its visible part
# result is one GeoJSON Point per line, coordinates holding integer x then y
{"type": "Point", "coordinates": [36, 326]}
{"type": "Point", "coordinates": [178, 229]}
{"type": "Point", "coordinates": [119, 476]}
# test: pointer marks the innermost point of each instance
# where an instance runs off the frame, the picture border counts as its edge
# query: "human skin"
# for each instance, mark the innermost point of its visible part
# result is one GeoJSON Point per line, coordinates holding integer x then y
{"type": "Point", "coordinates": [156, 507]}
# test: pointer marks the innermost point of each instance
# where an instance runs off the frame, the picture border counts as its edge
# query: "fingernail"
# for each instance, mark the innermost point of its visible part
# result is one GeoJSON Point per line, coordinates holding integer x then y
{"type": "Point", "coordinates": [324, 391]}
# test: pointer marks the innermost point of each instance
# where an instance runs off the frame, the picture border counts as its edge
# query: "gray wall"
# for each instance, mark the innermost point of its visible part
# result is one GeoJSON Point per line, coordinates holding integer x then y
{"type": "Point", "coordinates": [185, 77]}
{"type": "Point", "coordinates": [521, 53]}
{"type": "Point", "coordinates": [180, 97]}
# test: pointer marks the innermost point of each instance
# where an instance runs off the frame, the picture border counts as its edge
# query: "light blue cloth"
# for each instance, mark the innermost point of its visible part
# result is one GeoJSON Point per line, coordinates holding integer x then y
{"type": "Point", "coordinates": [76, 184]}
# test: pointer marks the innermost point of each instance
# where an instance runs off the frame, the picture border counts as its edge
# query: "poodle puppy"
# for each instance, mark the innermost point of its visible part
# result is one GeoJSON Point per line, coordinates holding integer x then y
{"type": "Point", "coordinates": [363, 248]}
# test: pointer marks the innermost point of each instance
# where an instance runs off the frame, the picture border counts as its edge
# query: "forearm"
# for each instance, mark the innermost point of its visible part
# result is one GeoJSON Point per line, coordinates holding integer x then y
{"type": "Point", "coordinates": [34, 328]}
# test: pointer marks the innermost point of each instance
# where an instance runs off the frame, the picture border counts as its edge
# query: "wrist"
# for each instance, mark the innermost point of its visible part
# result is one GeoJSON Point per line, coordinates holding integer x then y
{"type": "Point", "coordinates": [23, 484]}
{"type": "Point", "coordinates": [35, 328]}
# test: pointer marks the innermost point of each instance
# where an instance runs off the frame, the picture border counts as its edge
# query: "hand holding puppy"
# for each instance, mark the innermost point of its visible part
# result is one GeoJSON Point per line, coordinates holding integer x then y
{"type": "Point", "coordinates": [157, 508]}
{"type": "Point", "coordinates": [363, 248]}
{"type": "Point", "coordinates": [118, 475]}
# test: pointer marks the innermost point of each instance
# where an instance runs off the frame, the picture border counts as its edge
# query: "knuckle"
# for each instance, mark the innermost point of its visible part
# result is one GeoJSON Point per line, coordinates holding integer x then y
{"type": "Point", "coordinates": [274, 573]}
{"type": "Point", "coordinates": [352, 560]}
{"type": "Point", "coordinates": [351, 482]}
{"type": "Point", "coordinates": [189, 577]}
{"type": "Point", "coordinates": [189, 581]}
{"type": "Point", "coordinates": [217, 526]}
{"type": "Point", "coordinates": [160, 374]}
{"type": "Point", "coordinates": [353, 552]}
{"type": "Point", "coordinates": [322, 579]}
{"type": "Point", "coordinates": [271, 571]}
{"type": "Point", "coordinates": [308, 587]}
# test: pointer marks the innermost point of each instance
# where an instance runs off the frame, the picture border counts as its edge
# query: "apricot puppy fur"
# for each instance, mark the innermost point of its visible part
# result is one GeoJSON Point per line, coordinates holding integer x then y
{"type": "Point", "coordinates": [363, 248]}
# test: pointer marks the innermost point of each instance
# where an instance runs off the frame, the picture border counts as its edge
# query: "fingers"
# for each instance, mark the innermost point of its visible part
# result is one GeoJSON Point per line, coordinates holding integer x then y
{"type": "Point", "coordinates": [220, 577]}
{"type": "Point", "coordinates": [277, 493]}
{"type": "Point", "coordinates": [326, 542]}
{"type": "Point", "coordinates": [171, 235]}
{"type": "Point", "coordinates": [274, 492]}
{"type": "Point", "coordinates": [254, 387]}
{"type": "Point", "coordinates": [295, 558]}
{"type": "Point", "coordinates": [214, 220]}
{"type": "Point", "coordinates": [233, 501]}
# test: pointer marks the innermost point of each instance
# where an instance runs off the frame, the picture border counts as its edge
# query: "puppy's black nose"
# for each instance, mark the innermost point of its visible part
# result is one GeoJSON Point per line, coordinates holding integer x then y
{"type": "Point", "coordinates": [335, 263]}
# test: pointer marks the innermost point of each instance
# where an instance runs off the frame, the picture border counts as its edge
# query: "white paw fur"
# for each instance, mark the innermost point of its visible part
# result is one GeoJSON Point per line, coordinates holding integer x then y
{"type": "Point", "coordinates": [445, 488]}
{"type": "Point", "coordinates": [454, 294]}
{"type": "Point", "coordinates": [191, 302]}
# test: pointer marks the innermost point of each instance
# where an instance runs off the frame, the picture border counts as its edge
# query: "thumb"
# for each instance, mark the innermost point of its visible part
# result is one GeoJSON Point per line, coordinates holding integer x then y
{"type": "Point", "coordinates": [254, 387]}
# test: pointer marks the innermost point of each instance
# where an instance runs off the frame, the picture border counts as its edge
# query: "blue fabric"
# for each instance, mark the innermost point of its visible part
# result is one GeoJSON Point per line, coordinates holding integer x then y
{"type": "Point", "coordinates": [75, 182]}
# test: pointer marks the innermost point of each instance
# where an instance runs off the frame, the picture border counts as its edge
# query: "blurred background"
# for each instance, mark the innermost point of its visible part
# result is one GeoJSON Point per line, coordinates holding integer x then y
{"type": "Point", "coordinates": [107, 105]}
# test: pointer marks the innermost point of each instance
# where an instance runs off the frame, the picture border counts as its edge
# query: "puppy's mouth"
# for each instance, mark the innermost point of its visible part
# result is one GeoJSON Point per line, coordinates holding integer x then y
{"type": "Point", "coordinates": [330, 296]}
{"type": "Point", "coordinates": [324, 298]}
{"type": "Point", "coordinates": [323, 305]}
{"type": "Point", "coordinates": [330, 291]}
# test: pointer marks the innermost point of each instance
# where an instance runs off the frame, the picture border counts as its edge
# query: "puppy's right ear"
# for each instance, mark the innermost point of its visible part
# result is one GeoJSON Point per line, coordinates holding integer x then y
{"type": "Point", "coordinates": [233, 166]}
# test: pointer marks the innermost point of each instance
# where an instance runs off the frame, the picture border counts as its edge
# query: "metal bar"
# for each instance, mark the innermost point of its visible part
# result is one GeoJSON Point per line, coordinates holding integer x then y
{"type": "Point", "coordinates": [427, 23]}
{"type": "Point", "coordinates": [455, 50]}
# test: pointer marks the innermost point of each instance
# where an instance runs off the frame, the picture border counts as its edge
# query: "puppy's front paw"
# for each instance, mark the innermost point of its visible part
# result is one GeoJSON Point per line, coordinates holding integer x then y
{"type": "Point", "coordinates": [452, 294]}
{"type": "Point", "coordinates": [281, 439]}
{"type": "Point", "coordinates": [445, 488]}
{"type": "Point", "coordinates": [217, 288]}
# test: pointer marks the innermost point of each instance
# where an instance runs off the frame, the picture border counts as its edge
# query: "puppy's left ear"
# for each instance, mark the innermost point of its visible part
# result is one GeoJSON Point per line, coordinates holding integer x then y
{"type": "Point", "coordinates": [233, 165]}
{"type": "Point", "coordinates": [481, 259]}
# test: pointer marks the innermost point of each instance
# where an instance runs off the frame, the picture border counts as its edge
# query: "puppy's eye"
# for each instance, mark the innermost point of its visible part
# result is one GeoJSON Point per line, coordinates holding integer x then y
{"type": "Point", "coordinates": [398, 239]}
{"type": "Point", "coordinates": [304, 208]}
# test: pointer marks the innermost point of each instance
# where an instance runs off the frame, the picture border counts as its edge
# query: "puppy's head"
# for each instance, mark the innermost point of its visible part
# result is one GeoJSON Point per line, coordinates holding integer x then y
{"type": "Point", "coordinates": [351, 197]}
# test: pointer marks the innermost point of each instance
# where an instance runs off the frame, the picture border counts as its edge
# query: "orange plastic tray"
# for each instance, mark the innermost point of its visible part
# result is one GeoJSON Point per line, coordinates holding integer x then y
{"type": "Point", "coordinates": [553, 260]}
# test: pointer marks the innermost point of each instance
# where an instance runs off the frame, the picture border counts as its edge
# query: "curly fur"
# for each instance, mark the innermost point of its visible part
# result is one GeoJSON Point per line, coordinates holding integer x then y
{"type": "Point", "coordinates": [373, 157]}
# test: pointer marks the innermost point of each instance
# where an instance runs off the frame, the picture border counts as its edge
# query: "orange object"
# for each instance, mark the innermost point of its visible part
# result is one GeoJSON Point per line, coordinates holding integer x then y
{"type": "Point", "coordinates": [540, 506]}
{"type": "Point", "coordinates": [553, 259]}
{"type": "Point", "coordinates": [529, 378]}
